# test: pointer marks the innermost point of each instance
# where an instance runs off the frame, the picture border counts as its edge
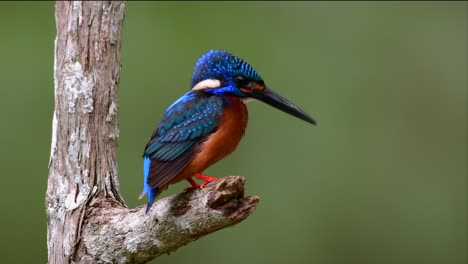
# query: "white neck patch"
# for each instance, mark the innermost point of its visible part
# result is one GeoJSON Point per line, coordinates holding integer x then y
{"type": "Point", "coordinates": [248, 100]}
{"type": "Point", "coordinates": [205, 84]}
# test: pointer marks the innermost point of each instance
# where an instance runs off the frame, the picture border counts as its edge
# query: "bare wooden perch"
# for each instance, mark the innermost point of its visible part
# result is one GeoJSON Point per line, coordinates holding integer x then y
{"type": "Point", "coordinates": [119, 235]}
{"type": "Point", "coordinates": [88, 220]}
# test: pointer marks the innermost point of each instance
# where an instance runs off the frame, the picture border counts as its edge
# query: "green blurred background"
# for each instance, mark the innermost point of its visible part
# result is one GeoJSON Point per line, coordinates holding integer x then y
{"type": "Point", "coordinates": [381, 179]}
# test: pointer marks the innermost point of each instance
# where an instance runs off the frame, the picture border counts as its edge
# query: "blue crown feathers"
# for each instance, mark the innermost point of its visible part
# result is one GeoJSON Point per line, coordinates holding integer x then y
{"type": "Point", "coordinates": [219, 64]}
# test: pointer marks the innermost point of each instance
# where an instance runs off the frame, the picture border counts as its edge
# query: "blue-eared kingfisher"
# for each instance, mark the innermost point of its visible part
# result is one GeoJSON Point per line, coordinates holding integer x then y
{"type": "Point", "coordinates": [207, 123]}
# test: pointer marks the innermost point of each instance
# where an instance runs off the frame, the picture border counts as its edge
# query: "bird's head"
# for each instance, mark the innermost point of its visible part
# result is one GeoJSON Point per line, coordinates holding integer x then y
{"type": "Point", "coordinates": [219, 72]}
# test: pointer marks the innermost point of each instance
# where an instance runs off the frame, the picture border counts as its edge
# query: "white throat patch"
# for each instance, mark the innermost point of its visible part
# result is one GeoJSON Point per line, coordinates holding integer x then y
{"type": "Point", "coordinates": [205, 84]}
{"type": "Point", "coordinates": [248, 100]}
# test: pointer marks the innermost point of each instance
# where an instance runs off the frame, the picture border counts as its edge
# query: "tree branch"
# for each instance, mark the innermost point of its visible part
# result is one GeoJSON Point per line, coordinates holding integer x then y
{"type": "Point", "coordinates": [133, 237]}
{"type": "Point", "coordinates": [88, 220]}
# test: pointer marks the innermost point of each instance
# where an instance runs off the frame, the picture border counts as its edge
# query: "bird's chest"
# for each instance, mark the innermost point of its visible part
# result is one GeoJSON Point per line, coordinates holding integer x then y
{"type": "Point", "coordinates": [230, 131]}
{"type": "Point", "coordinates": [233, 124]}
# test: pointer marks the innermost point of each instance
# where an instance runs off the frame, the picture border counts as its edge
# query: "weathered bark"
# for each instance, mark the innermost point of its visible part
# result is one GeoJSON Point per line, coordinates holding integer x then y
{"type": "Point", "coordinates": [88, 221]}
{"type": "Point", "coordinates": [119, 235]}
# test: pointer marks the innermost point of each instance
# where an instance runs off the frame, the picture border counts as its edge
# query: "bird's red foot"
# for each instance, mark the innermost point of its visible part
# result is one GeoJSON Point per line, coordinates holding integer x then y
{"type": "Point", "coordinates": [207, 179]}
{"type": "Point", "coordinates": [193, 183]}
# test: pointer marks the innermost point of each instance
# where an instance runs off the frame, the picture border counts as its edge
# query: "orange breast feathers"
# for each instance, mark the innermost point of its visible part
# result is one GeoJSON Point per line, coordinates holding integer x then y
{"type": "Point", "coordinates": [222, 142]}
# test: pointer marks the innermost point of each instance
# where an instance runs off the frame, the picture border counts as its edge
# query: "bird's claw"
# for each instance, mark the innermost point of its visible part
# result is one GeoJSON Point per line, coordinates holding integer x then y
{"type": "Point", "coordinates": [207, 179]}
{"type": "Point", "coordinates": [193, 187]}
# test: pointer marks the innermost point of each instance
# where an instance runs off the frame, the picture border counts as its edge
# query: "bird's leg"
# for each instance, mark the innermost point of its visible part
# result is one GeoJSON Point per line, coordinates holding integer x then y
{"type": "Point", "coordinates": [207, 179]}
{"type": "Point", "coordinates": [193, 183]}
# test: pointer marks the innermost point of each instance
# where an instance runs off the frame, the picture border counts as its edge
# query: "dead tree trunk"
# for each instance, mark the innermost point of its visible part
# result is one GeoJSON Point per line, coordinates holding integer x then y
{"type": "Point", "coordinates": [88, 221]}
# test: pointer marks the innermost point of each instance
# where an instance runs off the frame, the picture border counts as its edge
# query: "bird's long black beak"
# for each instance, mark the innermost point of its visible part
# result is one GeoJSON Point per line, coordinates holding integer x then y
{"type": "Point", "coordinates": [269, 97]}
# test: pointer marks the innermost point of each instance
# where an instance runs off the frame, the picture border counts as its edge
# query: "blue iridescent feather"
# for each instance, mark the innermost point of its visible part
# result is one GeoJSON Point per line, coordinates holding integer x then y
{"type": "Point", "coordinates": [146, 167]}
{"type": "Point", "coordinates": [152, 191]}
{"type": "Point", "coordinates": [224, 65]}
{"type": "Point", "coordinates": [186, 123]}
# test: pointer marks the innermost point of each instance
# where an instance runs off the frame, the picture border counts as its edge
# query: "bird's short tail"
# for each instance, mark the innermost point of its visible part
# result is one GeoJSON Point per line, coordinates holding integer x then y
{"type": "Point", "coordinates": [151, 195]}
{"type": "Point", "coordinates": [147, 190]}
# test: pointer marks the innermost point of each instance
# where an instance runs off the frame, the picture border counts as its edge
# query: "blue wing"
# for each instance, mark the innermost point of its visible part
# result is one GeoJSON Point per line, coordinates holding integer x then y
{"type": "Point", "coordinates": [186, 124]}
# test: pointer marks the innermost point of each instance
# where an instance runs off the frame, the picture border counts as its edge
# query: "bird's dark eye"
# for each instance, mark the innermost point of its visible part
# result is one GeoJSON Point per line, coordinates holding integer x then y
{"type": "Point", "coordinates": [239, 79]}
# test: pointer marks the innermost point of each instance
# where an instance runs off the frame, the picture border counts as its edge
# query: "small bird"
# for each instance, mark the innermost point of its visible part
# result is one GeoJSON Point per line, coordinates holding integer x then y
{"type": "Point", "coordinates": [207, 123]}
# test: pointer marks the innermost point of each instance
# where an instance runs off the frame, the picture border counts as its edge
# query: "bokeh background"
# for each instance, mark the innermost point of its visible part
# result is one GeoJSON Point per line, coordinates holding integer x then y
{"type": "Point", "coordinates": [381, 179]}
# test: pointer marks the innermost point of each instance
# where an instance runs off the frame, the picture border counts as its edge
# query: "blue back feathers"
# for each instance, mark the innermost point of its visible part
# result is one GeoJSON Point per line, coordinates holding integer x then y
{"type": "Point", "coordinates": [188, 119]}
{"type": "Point", "coordinates": [175, 142]}
{"type": "Point", "coordinates": [222, 65]}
